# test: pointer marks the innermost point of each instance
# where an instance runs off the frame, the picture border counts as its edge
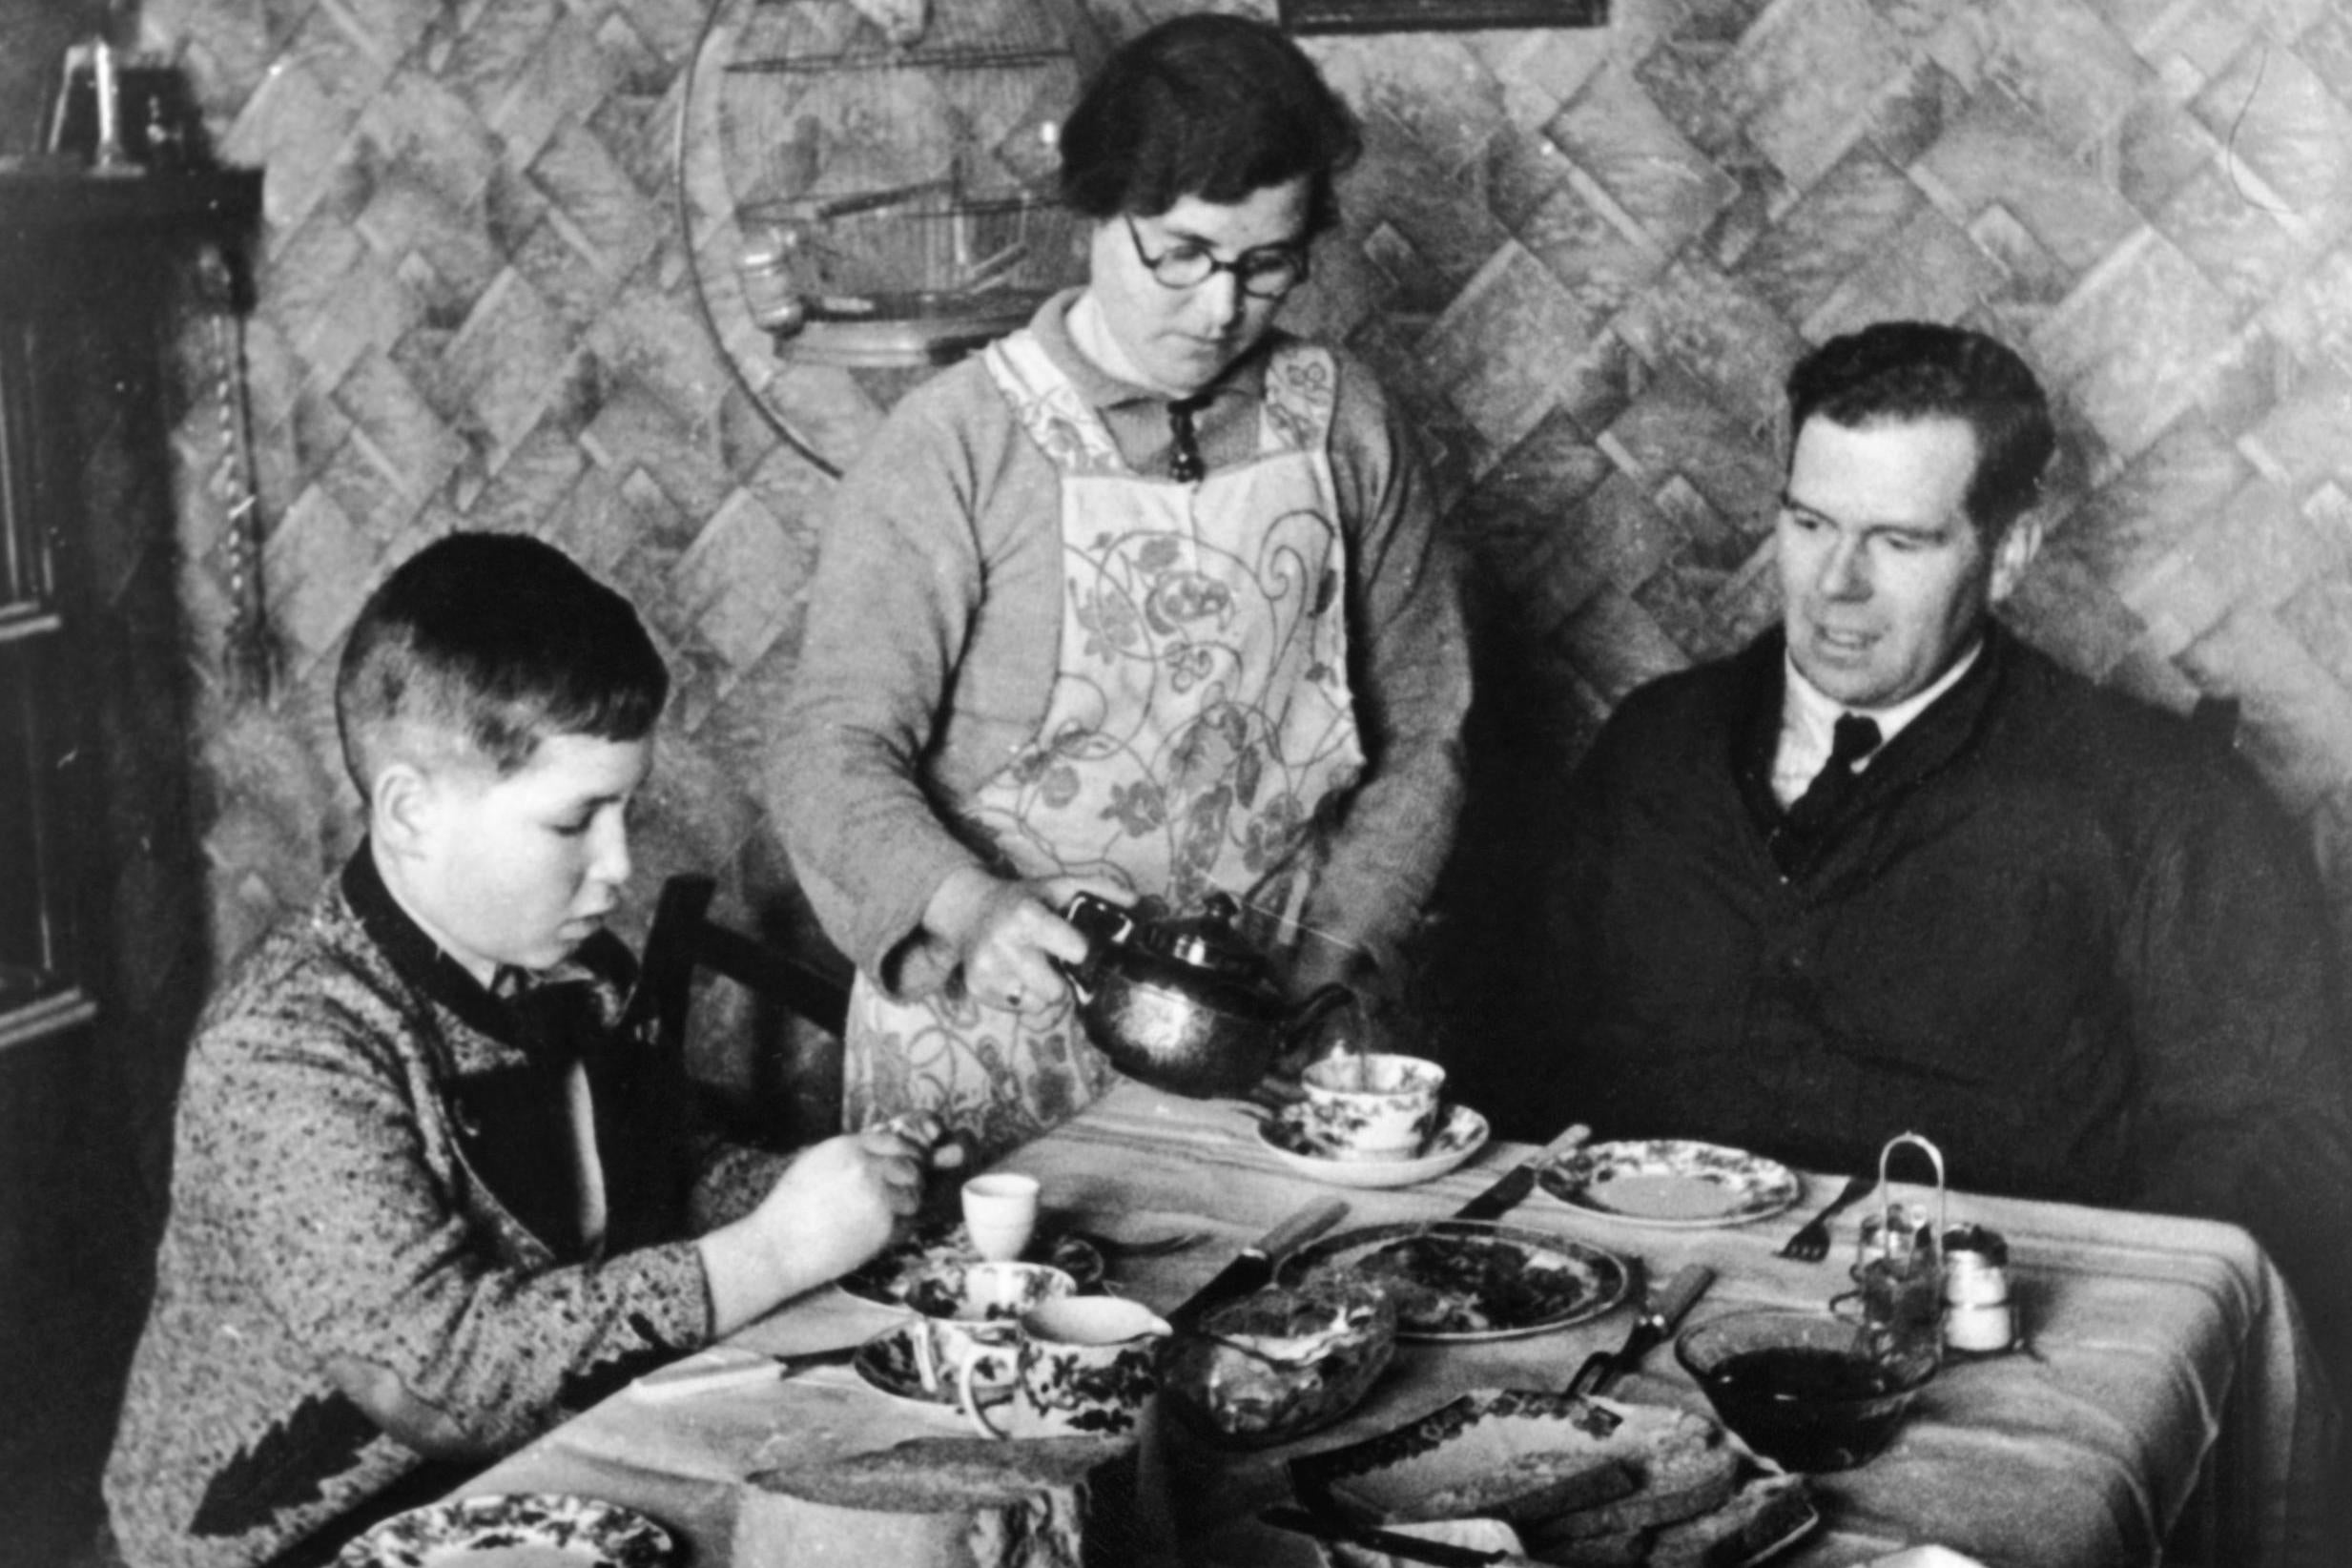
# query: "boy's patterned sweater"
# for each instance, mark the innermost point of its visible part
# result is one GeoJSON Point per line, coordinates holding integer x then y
{"type": "Point", "coordinates": [372, 1257]}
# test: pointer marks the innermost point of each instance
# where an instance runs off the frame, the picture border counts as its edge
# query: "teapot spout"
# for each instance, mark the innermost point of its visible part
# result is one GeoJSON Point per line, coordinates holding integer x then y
{"type": "Point", "coordinates": [1307, 1016]}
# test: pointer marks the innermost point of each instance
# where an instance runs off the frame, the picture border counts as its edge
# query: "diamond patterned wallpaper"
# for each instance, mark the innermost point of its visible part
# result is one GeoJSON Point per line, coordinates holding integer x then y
{"type": "Point", "coordinates": [1584, 256]}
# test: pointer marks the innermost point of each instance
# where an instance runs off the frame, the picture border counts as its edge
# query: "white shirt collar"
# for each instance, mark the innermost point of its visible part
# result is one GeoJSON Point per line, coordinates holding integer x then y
{"type": "Point", "coordinates": [1809, 716]}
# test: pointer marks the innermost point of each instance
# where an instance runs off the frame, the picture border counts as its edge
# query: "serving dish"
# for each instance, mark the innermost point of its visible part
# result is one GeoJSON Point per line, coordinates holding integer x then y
{"type": "Point", "coordinates": [1462, 1134]}
{"type": "Point", "coordinates": [577, 1532]}
{"type": "Point", "coordinates": [1465, 1280]}
{"type": "Point", "coordinates": [924, 1263]}
{"type": "Point", "coordinates": [1278, 1363]}
{"type": "Point", "coordinates": [1674, 1183]}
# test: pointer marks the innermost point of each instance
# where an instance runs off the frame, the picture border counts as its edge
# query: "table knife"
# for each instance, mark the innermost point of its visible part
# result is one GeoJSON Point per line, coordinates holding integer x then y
{"type": "Point", "coordinates": [1519, 1181]}
{"type": "Point", "coordinates": [1394, 1542]}
{"type": "Point", "coordinates": [1660, 1313]}
{"type": "Point", "coordinates": [1254, 1266]}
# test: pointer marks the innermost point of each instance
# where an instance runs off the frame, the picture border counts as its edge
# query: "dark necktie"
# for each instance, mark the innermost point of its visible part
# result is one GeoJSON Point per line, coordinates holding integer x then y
{"type": "Point", "coordinates": [1853, 738]}
{"type": "Point", "coordinates": [1184, 463]}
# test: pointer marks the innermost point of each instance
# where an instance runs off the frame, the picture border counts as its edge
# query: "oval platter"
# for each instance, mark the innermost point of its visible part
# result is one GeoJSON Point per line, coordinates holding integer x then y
{"type": "Point", "coordinates": [581, 1531]}
{"type": "Point", "coordinates": [1672, 1183]}
{"type": "Point", "coordinates": [1455, 1281]}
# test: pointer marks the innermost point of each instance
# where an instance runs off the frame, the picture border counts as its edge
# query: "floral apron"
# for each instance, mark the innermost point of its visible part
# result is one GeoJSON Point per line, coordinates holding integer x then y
{"type": "Point", "coordinates": [1198, 723]}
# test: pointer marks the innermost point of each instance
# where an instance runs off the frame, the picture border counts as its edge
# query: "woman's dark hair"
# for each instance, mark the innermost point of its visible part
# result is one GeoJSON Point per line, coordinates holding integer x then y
{"type": "Point", "coordinates": [1901, 371]}
{"type": "Point", "coordinates": [1206, 106]}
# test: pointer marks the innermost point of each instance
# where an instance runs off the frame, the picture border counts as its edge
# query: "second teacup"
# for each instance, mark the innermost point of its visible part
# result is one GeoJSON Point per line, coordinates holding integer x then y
{"type": "Point", "coordinates": [1087, 1366]}
{"type": "Point", "coordinates": [1376, 1106]}
{"type": "Point", "coordinates": [978, 1339]}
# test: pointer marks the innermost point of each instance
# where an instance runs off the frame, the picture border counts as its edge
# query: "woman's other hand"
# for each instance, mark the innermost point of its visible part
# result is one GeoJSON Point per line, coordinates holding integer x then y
{"type": "Point", "coordinates": [1007, 935]}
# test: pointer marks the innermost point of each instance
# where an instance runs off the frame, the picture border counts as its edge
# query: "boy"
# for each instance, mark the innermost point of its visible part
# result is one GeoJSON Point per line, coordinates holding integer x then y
{"type": "Point", "coordinates": [427, 1199]}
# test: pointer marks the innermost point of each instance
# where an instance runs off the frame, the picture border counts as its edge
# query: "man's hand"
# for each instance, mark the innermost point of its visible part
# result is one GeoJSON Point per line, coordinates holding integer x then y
{"type": "Point", "coordinates": [1006, 936]}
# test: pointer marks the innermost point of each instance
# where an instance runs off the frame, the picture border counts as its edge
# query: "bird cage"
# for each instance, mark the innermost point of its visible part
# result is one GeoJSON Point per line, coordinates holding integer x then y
{"type": "Point", "coordinates": [893, 167]}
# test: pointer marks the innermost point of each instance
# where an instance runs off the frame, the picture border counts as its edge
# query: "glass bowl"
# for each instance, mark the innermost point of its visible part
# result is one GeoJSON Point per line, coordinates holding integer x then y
{"type": "Point", "coordinates": [1280, 1362]}
{"type": "Point", "coordinates": [1808, 1389]}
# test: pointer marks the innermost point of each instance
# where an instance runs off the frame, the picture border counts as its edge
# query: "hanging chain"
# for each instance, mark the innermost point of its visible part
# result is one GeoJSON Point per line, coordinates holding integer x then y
{"type": "Point", "coordinates": [250, 651]}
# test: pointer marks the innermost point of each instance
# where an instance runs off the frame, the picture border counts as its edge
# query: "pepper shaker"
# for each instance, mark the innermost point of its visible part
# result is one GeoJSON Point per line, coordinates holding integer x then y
{"type": "Point", "coordinates": [1978, 1317]}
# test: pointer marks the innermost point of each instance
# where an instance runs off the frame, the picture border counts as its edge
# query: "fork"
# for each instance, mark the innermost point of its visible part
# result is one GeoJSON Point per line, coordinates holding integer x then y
{"type": "Point", "coordinates": [1811, 1242]}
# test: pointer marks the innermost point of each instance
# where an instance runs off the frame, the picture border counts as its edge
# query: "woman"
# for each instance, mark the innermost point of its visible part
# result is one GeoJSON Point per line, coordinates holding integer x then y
{"type": "Point", "coordinates": [1146, 599]}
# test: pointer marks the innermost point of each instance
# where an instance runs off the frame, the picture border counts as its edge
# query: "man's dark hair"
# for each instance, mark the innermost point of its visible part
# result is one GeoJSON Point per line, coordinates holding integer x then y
{"type": "Point", "coordinates": [1901, 371]}
{"type": "Point", "coordinates": [1206, 106]}
{"type": "Point", "coordinates": [484, 645]}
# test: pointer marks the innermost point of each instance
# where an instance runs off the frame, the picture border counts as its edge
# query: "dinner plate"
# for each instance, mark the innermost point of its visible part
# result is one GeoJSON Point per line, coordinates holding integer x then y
{"type": "Point", "coordinates": [515, 1530]}
{"type": "Point", "coordinates": [931, 1254]}
{"type": "Point", "coordinates": [1463, 1134]}
{"type": "Point", "coordinates": [888, 1362]}
{"type": "Point", "coordinates": [1463, 1280]}
{"type": "Point", "coordinates": [1675, 1183]}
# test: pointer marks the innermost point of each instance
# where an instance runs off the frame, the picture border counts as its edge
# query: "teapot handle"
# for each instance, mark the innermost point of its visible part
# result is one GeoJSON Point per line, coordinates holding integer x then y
{"type": "Point", "coordinates": [1105, 925]}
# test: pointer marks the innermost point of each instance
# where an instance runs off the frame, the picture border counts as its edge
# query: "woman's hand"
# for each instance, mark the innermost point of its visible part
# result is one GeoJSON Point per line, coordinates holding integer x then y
{"type": "Point", "coordinates": [1006, 936]}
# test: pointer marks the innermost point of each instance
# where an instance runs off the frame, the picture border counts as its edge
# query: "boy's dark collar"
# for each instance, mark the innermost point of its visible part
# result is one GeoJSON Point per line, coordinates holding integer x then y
{"type": "Point", "coordinates": [412, 950]}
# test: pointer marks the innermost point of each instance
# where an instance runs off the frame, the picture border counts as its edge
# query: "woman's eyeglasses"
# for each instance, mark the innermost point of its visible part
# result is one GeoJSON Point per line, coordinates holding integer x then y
{"type": "Point", "coordinates": [1268, 273]}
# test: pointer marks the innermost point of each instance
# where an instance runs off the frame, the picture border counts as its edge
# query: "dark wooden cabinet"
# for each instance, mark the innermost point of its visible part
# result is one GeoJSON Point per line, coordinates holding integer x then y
{"type": "Point", "coordinates": [100, 896]}
{"type": "Point", "coordinates": [74, 248]}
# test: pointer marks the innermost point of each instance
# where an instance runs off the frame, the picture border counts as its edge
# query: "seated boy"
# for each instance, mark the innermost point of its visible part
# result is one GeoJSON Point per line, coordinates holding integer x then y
{"type": "Point", "coordinates": [427, 1199]}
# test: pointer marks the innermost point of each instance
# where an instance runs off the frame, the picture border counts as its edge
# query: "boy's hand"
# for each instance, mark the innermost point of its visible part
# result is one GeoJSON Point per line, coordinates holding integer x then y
{"type": "Point", "coordinates": [834, 1207]}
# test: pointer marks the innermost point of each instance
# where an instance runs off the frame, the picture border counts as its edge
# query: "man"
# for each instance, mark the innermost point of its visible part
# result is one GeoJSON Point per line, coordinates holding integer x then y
{"type": "Point", "coordinates": [1891, 870]}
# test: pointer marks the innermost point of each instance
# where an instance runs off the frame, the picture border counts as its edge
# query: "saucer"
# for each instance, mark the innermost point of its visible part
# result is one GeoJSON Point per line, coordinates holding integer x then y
{"type": "Point", "coordinates": [1462, 1134]}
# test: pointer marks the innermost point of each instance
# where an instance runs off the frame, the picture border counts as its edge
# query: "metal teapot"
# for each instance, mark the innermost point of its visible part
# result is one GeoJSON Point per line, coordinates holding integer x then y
{"type": "Point", "coordinates": [1185, 1004]}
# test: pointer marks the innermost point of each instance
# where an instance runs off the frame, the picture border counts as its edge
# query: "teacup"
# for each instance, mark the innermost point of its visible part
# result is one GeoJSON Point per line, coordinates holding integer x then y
{"type": "Point", "coordinates": [1086, 1367]}
{"type": "Point", "coordinates": [976, 1341]}
{"type": "Point", "coordinates": [1000, 1213]}
{"type": "Point", "coordinates": [1372, 1106]}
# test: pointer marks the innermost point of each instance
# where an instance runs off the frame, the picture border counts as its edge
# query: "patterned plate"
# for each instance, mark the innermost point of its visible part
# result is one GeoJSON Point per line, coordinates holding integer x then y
{"type": "Point", "coordinates": [1461, 1280]}
{"type": "Point", "coordinates": [933, 1254]}
{"type": "Point", "coordinates": [1463, 1135]}
{"type": "Point", "coordinates": [1673, 1182]}
{"type": "Point", "coordinates": [576, 1532]}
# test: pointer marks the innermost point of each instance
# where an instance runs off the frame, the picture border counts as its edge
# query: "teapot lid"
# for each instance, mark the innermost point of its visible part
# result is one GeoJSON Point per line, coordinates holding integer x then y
{"type": "Point", "coordinates": [1207, 940]}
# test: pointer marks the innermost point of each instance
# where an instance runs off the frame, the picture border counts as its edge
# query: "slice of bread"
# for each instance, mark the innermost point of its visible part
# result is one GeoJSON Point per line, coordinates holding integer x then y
{"type": "Point", "coordinates": [1532, 1488]}
{"type": "Point", "coordinates": [1685, 1472]}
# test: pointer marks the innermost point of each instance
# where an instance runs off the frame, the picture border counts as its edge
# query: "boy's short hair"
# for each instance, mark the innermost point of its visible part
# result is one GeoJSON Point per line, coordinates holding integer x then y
{"type": "Point", "coordinates": [1209, 106]}
{"type": "Point", "coordinates": [481, 646]}
{"type": "Point", "coordinates": [1897, 372]}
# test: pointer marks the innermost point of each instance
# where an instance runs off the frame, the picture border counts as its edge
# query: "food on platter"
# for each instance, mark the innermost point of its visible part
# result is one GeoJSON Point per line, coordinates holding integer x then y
{"type": "Point", "coordinates": [1470, 1285]}
{"type": "Point", "coordinates": [1469, 1280]}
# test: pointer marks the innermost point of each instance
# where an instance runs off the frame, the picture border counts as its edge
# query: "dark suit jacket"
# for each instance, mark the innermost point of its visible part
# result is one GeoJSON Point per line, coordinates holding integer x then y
{"type": "Point", "coordinates": [2056, 932]}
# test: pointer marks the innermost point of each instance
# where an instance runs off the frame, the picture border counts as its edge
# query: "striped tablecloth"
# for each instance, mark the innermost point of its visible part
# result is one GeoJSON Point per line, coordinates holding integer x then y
{"type": "Point", "coordinates": [2164, 1353]}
